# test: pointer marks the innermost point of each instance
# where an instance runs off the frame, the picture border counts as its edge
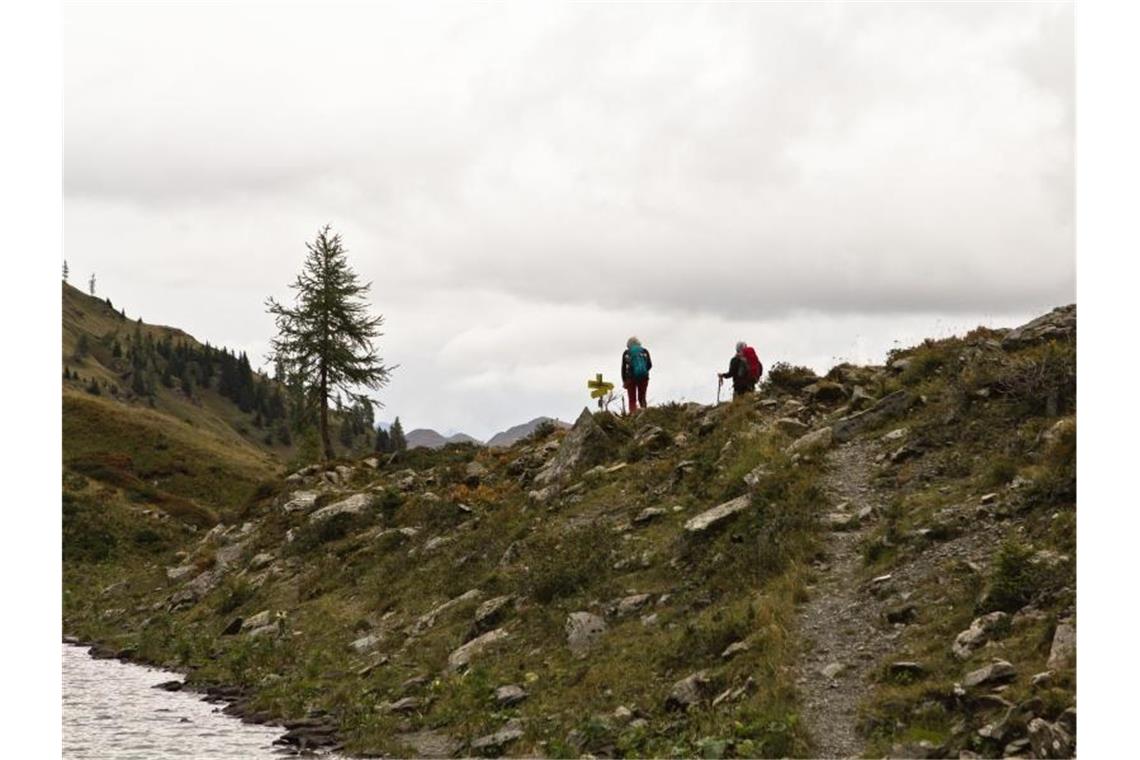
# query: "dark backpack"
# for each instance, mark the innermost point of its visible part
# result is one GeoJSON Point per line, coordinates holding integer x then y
{"type": "Point", "coordinates": [638, 364]}
{"type": "Point", "coordinates": [755, 368]}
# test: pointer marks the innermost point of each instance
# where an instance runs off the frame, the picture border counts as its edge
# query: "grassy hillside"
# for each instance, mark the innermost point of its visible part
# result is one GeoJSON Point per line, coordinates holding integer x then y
{"type": "Point", "coordinates": [564, 596]}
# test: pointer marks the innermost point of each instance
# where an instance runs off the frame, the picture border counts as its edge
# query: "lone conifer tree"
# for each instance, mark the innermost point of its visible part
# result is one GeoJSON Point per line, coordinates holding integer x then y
{"type": "Point", "coordinates": [325, 341]}
{"type": "Point", "coordinates": [91, 284]}
{"type": "Point", "coordinates": [396, 436]}
{"type": "Point", "coordinates": [65, 270]}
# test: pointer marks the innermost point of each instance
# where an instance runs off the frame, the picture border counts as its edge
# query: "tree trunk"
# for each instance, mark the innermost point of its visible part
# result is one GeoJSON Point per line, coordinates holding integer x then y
{"type": "Point", "coordinates": [325, 442]}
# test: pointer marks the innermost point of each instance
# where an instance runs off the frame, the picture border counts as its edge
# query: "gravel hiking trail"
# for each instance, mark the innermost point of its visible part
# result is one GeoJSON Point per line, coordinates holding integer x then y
{"type": "Point", "coordinates": [842, 624]}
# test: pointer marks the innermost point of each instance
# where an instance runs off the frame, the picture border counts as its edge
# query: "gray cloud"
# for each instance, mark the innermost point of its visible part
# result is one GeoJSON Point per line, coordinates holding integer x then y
{"type": "Point", "coordinates": [557, 175]}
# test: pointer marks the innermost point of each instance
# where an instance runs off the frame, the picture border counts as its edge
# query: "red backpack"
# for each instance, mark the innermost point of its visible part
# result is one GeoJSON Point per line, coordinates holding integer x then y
{"type": "Point", "coordinates": [755, 368]}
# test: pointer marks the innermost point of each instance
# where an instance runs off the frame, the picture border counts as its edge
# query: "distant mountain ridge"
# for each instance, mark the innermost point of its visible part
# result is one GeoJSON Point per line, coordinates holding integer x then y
{"type": "Point", "coordinates": [433, 439]}
{"type": "Point", "coordinates": [512, 435]}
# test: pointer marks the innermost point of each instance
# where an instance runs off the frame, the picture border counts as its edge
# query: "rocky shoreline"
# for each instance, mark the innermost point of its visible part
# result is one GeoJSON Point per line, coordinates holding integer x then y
{"type": "Point", "coordinates": [316, 733]}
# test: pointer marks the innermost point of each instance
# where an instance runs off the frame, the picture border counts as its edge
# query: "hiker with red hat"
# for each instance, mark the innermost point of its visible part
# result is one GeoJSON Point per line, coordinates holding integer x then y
{"type": "Point", "coordinates": [744, 369]}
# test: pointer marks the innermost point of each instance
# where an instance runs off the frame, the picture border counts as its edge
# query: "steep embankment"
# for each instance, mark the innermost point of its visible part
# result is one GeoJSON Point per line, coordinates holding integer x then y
{"type": "Point", "coordinates": [678, 583]}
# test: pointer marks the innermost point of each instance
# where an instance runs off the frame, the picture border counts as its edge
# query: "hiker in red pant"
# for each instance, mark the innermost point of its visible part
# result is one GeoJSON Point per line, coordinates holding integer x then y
{"type": "Point", "coordinates": [635, 366]}
{"type": "Point", "coordinates": [744, 369]}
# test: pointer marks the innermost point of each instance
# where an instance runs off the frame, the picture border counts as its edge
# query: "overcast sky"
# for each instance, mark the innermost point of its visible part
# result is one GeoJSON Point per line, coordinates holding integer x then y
{"type": "Point", "coordinates": [528, 185]}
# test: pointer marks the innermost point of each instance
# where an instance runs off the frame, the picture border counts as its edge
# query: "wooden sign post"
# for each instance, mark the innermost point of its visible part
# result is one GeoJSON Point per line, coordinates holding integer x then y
{"type": "Point", "coordinates": [601, 390]}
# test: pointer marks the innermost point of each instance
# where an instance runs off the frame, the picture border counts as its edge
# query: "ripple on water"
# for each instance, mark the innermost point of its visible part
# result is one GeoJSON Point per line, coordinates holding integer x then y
{"type": "Point", "coordinates": [111, 711]}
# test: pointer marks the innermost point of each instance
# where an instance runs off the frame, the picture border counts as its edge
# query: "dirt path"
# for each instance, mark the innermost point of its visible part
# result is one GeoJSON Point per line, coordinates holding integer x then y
{"type": "Point", "coordinates": [842, 624]}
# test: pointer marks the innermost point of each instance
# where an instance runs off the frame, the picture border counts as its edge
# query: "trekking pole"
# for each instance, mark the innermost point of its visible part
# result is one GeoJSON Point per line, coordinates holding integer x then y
{"type": "Point", "coordinates": [719, 383]}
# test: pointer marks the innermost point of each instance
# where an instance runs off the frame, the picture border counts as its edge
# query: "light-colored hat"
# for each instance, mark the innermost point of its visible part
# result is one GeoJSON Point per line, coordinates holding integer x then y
{"type": "Point", "coordinates": [632, 342]}
{"type": "Point", "coordinates": [740, 346]}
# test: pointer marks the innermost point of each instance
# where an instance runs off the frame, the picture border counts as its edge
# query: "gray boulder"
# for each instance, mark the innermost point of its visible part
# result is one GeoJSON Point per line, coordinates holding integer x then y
{"type": "Point", "coordinates": [495, 742]}
{"type": "Point", "coordinates": [472, 649]}
{"type": "Point", "coordinates": [505, 696]}
{"type": "Point", "coordinates": [717, 516]}
{"type": "Point", "coordinates": [583, 630]}
{"type": "Point", "coordinates": [356, 504]}
{"type": "Point", "coordinates": [1064, 647]}
{"type": "Point", "coordinates": [688, 692]}
{"type": "Point", "coordinates": [818, 440]}
{"type": "Point", "coordinates": [301, 501]}
{"type": "Point", "coordinates": [365, 643]}
{"type": "Point", "coordinates": [1049, 739]}
{"type": "Point", "coordinates": [790, 426]}
{"type": "Point", "coordinates": [977, 634]}
{"type": "Point", "coordinates": [997, 671]}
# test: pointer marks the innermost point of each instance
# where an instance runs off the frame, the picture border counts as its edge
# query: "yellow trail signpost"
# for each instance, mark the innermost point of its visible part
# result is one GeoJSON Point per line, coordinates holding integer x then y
{"type": "Point", "coordinates": [600, 389]}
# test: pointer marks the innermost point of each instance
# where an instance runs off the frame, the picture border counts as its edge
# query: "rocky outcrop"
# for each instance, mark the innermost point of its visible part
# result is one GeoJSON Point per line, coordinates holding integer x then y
{"type": "Point", "coordinates": [998, 671]}
{"type": "Point", "coordinates": [688, 692]}
{"type": "Point", "coordinates": [884, 409]}
{"type": "Point", "coordinates": [585, 444]}
{"type": "Point", "coordinates": [1064, 647]}
{"type": "Point", "coordinates": [1059, 324]}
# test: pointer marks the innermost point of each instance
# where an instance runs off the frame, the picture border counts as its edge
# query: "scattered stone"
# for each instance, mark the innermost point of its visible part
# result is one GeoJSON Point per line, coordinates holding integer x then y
{"type": "Point", "coordinates": [1042, 680]}
{"type": "Point", "coordinates": [753, 478]}
{"type": "Point", "coordinates": [169, 685]}
{"type": "Point", "coordinates": [819, 440]}
{"type": "Point", "coordinates": [825, 391]}
{"type": "Point", "coordinates": [688, 691]}
{"type": "Point", "coordinates": [429, 743]}
{"type": "Point", "coordinates": [505, 696]}
{"type": "Point", "coordinates": [464, 654]}
{"type": "Point", "coordinates": [979, 632]}
{"type": "Point", "coordinates": [405, 705]}
{"type": "Point", "coordinates": [903, 613]}
{"type": "Point", "coordinates": [790, 426]}
{"type": "Point", "coordinates": [988, 498]}
{"type": "Point", "coordinates": [491, 612]}
{"type": "Point", "coordinates": [260, 561]}
{"type": "Point", "coordinates": [180, 572]}
{"type": "Point", "coordinates": [427, 620]}
{"type": "Point", "coordinates": [583, 630]}
{"type": "Point", "coordinates": [649, 513]}
{"type": "Point", "coordinates": [1016, 748]}
{"type": "Point", "coordinates": [354, 505]}
{"type": "Point", "coordinates": [717, 515]}
{"type": "Point", "coordinates": [301, 501]}
{"type": "Point", "coordinates": [366, 643]}
{"type": "Point", "coordinates": [840, 521]}
{"type": "Point", "coordinates": [233, 628]}
{"type": "Point", "coordinates": [832, 670]}
{"type": "Point", "coordinates": [734, 649]}
{"type": "Point", "coordinates": [622, 715]}
{"type": "Point", "coordinates": [996, 672]}
{"type": "Point", "coordinates": [258, 620]}
{"type": "Point", "coordinates": [438, 541]}
{"type": "Point", "coordinates": [475, 472]}
{"type": "Point", "coordinates": [906, 669]}
{"type": "Point", "coordinates": [1064, 647]}
{"type": "Point", "coordinates": [495, 742]}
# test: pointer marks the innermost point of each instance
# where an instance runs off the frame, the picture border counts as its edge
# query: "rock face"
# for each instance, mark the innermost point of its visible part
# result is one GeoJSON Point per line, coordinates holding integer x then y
{"type": "Point", "coordinates": [1059, 324]}
{"type": "Point", "coordinates": [818, 440]}
{"type": "Point", "coordinates": [885, 408]}
{"type": "Point", "coordinates": [717, 515]}
{"type": "Point", "coordinates": [475, 647]}
{"type": "Point", "coordinates": [688, 692]}
{"type": "Point", "coordinates": [583, 630]}
{"type": "Point", "coordinates": [1064, 647]}
{"type": "Point", "coordinates": [977, 634]}
{"type": "Point", "coordinates": [354, 505]}
{"type": "Point", "coordinates": [583, 445]}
